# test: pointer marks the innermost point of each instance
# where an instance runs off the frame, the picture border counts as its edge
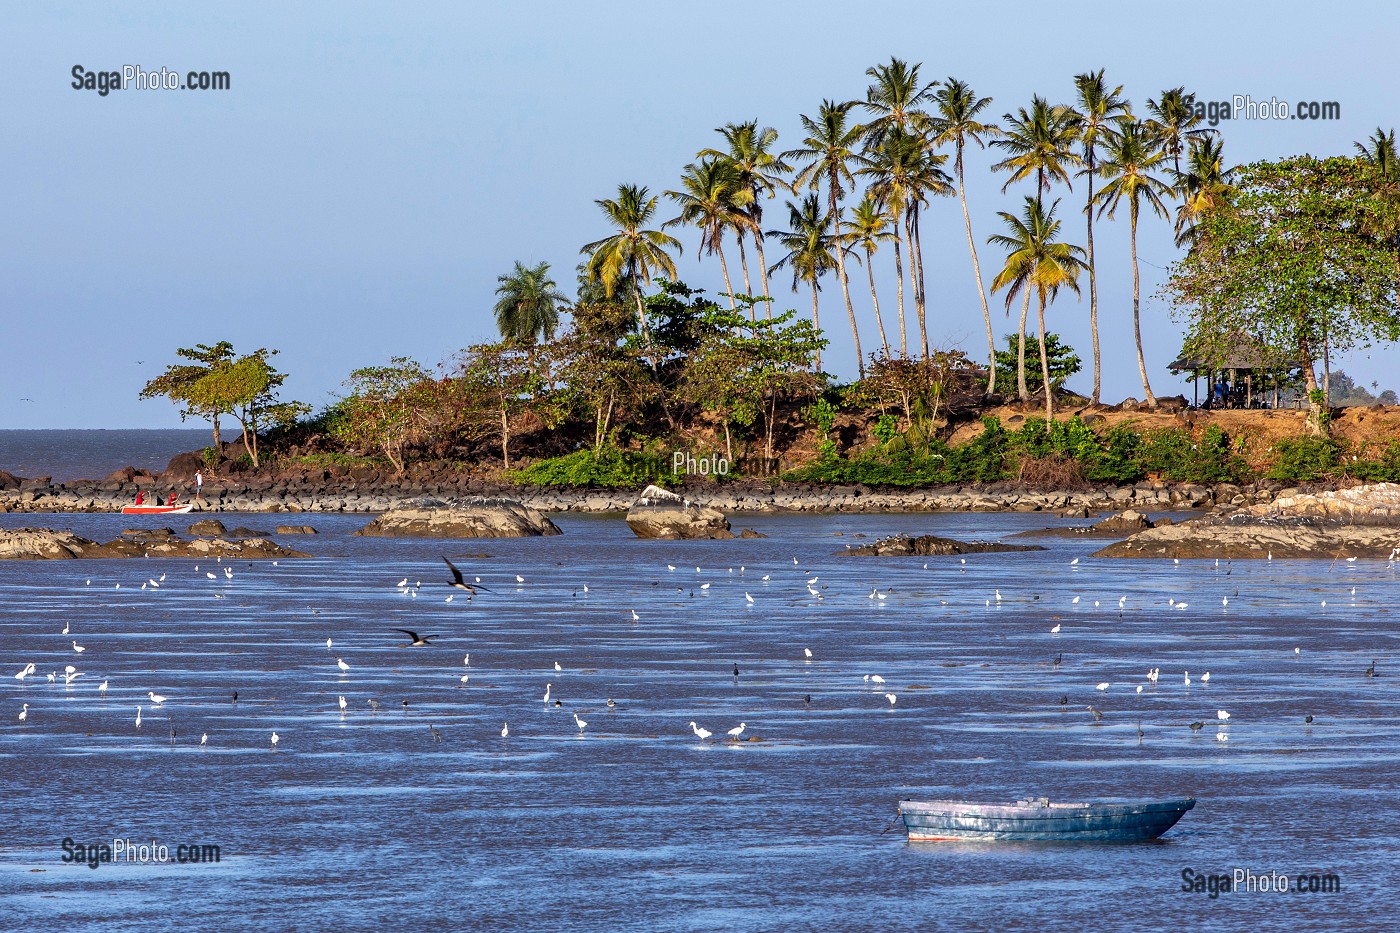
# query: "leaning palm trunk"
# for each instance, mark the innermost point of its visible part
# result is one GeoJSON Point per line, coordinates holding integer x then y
{"type": "Point", "coordinates": [1093, 284]}
{"type": "Point", "coordinates": [817, 324]}
{"type": "Point", "coordinates": [875, 298]}
{"type": "Point", "coordinates": [841, 271]}
{"type": "Point", "coordinates": [916, 252]}
{"type": "Point", "coordinates": [1045, 364]}
{"type": "Point", "coordinates": [744, 261]}
{"type": "Point", "coordinates": [981, 292]}
{"type": "Point", "coordinates": [724, 267]}
{"type": "Point", "coordinates": [763, 274]}
{"type": "Point", "coordinates": [899, 277]}
{"type": "Point", "coordinates": [1137, 329]}
{"type": "Point", "coordinates": [1021, 389]}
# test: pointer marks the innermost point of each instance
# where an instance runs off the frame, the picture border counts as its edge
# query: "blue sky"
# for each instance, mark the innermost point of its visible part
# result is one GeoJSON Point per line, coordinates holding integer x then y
{"type": "Point", "coordinates": [375, 167]}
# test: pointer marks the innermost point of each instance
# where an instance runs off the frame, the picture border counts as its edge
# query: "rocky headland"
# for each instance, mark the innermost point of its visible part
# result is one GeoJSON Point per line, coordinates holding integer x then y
{"type": "Point", "coordinates": [52, 544]}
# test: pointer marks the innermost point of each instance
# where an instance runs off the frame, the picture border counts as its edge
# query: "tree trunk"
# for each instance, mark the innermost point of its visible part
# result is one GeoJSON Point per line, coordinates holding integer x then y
{"type": "Point", "coordinates": [744, 262]}
{"type": "Point", "coordinates": [977, 273]}
{"type": "Point", "coordinates": [875, 299]}
{"type": "Point", "coordinates": [505, 438]}
{"type": "Point", "coordinates": [1093, 284]}
{"type": "Point", "coordinates": [763, 273]}
{"type": "Point", "coordinates": [816, 322]}
{"type": "Point", "coordinates": [899, 277]}
{"type": "Point", "coordinates": [1021, 391]}
{"type": "Point", "coordinates": [1137, 329]}
{"type": "Point", "coordinates": [724, 267]}
{"type": "Point", "coordinates": [728, 441]}
{"type": "Point", "coordinates": [916, 260]}
{"type": "Point", "coordinates": [1317, 423]}
{"type": "Point", "coordinates": [218, 443]}
{"type": "Point", "coordinates": [841, 271]}
{"type": "Point", "coordinates": [1045, 364]}
{"type": "Point", "coordinates": [768, 440]}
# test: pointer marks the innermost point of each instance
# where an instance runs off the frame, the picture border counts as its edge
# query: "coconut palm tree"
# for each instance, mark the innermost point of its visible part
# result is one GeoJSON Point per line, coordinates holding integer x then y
{"type": "Point", "coordinates": [1203, 187]}
{"type": "Point", "coordinates": [1174, 122]}
{"type": "Point", "coordinates": [1131, 154]}
{"type": "Point", "coordinates": [897, 98]}
{"type": "Point", "coordinates": [827, 159]}
{"type": "Point", "coordinates": [1379, 150]}
{"type": "Point", "coordinates": [1096, 106]}
{"type": "Point", "coordinates": [761, 172]}
{"type": "Point", "coordinates": [954, 122]}
{"type": "Point", "coordinates": [527, 306]}
{"type": "Point", "coordinates": [632, 251]}
{"type": "Point", "coordinates": [927, 179]}
{"type": "Point", "coordinates": [711, 199]}
{"type": "Point", "coordinates": [868, 227]}
{"type": "Point", "coordinates": [810, 253]}
{"type": "Point", "coordinates": [1039, 143]}
{"type": "Point", "coordinates": [1036, 261]}
{"type": "Point", "coordinates": [890, 168]}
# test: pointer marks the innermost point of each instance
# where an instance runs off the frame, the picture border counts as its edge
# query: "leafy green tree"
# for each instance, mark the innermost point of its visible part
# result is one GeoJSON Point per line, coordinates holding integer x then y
{"type": "Point", "coordinates": [1037, 261]}
{"type": "Point", "coordinates": [1061, 360]}
{"type": "Point", "coordinates": [179, 379]}
{"type": "Point", "coordinates": [247, 389]}
{"type": "Point", "coordinates": [830, 152]}
{"type": "Point", "coordinates": [712, 199]}
{"type": "Point", "coordinates": [601, 368]}
{"type": "Point", "coordinates": [1132, 155]}
{"type": "Point", "coordinates": [632, 254]}
{"type": "Point", "coordinates": [1096, 106]}
{"type": "Point", "coordinates": [955, 122]}
{"type": "Point", "coordinates": [527, 306]}
{"type": "Point", "coordinates": [1290, 265]}
{"type": "Point", "coordinates": [496, 383]}
{"type": "Point", "coordinates": [386, 408]}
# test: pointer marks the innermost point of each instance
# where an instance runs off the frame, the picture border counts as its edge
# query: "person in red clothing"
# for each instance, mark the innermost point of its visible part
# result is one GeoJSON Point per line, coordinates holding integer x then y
{"type": "Point", "coordinates": [140, 497]}
{"type": "Point", "coordinates": [171, 501]}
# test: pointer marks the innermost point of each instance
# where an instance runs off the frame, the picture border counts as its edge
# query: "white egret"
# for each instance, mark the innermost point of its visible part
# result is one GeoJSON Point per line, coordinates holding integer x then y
{"type": "Point", "coordinates": [704, 734]}
{"type": "Point", "coordinates": [505, 730]}
{"type": "Point", "coordinates": [892, 698]}
{"type": "Point", "coordinates": [78, 648]}
{"type": "Point", "coordinates": [580, 723]}
{"type": "Point", "coordinates": [340, 663]}
{"type": "Point", "coordinates": [24, 713]}
{"type": "Point", "coordinates": [156, 698]}
{"type": "Point", "coordinates": [138, 717]}
{"type": "Point", "coordinates": [274, 739]}
{"type": "Point", "coordinates": [736, 731]}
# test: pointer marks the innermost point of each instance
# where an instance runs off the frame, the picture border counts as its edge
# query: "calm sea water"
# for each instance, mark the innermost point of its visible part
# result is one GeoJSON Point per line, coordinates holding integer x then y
{"type": "Point", "coordinates": [363, 821]}
{"type": "Point", "coordinates": [93, 454]}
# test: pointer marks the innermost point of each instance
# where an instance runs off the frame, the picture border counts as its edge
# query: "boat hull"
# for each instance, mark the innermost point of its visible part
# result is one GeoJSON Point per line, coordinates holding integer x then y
{"type": "Point", "coordinates": [961, 821]}
{"type": "Point", "coordinates": [156, 509]}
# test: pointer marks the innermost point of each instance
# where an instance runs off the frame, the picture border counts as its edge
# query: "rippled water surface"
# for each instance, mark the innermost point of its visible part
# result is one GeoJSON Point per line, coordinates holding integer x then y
{"type": "Point", "coordinates": [363, 820]}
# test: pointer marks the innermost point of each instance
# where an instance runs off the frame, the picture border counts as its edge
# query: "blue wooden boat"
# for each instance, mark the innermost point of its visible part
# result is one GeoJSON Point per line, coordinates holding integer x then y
{"type": "Point", "coordinates": [1039, 820]}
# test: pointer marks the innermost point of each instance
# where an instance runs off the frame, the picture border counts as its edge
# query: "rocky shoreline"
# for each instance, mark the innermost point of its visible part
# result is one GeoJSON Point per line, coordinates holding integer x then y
{"type": "Point", "coordinates": [350, 496]}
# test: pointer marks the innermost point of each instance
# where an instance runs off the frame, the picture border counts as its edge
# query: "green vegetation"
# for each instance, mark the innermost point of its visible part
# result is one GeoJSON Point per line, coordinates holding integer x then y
{"type": "Point", "coordinates": [607, 469]}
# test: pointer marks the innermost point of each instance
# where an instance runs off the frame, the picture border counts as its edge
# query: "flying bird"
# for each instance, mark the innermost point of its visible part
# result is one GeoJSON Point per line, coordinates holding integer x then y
{"type": "Point", "coordinates": [418, 640]}
{"type": "Point", "coordinates": [457, 580]}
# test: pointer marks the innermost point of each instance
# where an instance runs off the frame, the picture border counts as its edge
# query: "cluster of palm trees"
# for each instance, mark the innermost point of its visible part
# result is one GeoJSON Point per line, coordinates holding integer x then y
{"type": "Point", "coordinates": [858, 185]}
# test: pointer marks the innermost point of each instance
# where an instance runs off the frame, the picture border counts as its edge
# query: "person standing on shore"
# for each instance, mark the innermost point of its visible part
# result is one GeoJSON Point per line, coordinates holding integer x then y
{"type": "Point", "coordinates": [198, 483]}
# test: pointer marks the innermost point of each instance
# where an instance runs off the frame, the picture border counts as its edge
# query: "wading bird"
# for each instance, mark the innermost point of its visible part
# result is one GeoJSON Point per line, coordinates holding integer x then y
{"type": "Point", "coordinates": [736, 732]}
{"type": "Point", "coordinates": [703, 734]}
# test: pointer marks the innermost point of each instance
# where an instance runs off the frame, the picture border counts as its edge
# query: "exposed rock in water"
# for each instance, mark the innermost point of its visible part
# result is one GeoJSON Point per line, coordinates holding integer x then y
{"type": "Point", "coordinates": [210, 527]}
{"type": "Point", "coordinates": [1373, 504]}
{"type": "Point", "coordinates": [1126, 522]}
{"type": "Point", "coordinates": [1360, 522]}
{"type": "Point", "coordinates": [462, 518]}
{"type": "Point", "coordinates": [1239, 538]}
{"type": "Point", "coordinates": [49, 544]}
{"type": "Point", "coordinates": [750, 533]}
{"type": "Point", "coordinates": [42, 544]}
{"type": "Point", "coordinates": [658, 513]}
{"type": "Point", "coordinates": [932, 546]}
{"type": "Point", "coordinates": [296, 530]}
